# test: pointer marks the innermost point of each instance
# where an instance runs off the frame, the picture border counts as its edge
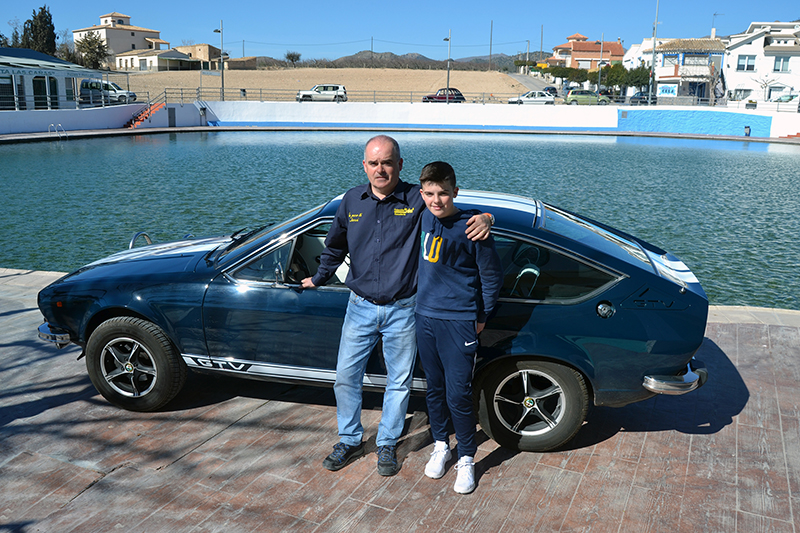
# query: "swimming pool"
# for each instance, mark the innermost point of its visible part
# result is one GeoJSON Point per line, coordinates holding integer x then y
{"type": "Point", "coordinates": [727, 208]}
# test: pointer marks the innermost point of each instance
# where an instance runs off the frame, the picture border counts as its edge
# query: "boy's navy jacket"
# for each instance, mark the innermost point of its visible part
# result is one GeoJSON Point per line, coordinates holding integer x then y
{"type": "Point", "coordinates": [459, 279]}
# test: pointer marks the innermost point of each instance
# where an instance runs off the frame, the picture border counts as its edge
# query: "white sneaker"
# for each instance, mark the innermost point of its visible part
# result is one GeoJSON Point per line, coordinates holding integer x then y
{"type": "Point", "coordinates": [465, 481]}
{"type": "Point", "coordinates": [439, 457]}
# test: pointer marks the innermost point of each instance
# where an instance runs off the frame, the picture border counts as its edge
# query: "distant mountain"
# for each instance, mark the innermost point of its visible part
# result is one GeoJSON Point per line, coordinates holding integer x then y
{"type": "Point", "coordinates": [369, 59]}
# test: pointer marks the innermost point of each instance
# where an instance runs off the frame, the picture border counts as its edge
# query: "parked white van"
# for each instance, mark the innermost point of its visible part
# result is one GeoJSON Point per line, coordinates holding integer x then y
{"type": "Point", "coordinates": [99, 91]}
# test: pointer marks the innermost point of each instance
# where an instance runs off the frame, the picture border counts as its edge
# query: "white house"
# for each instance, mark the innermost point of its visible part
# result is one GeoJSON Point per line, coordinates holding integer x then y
{"type": "Point", "coordinates": [689, 70]}
{"type": "Point", "coordinates": [156, 60]}
{"type": "Point", "coordinates": [120, 36]}
{"type": "Point", "coordinates": [764, 62]}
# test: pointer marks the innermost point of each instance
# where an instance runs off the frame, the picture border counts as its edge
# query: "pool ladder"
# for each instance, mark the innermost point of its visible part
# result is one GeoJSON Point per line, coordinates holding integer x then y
{"type": "Point", "coordinates": [54, 129]}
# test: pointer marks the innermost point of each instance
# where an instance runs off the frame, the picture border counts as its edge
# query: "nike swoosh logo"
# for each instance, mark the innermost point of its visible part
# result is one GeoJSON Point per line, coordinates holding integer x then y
{"type": "Point", "coordinates": [469, 343]}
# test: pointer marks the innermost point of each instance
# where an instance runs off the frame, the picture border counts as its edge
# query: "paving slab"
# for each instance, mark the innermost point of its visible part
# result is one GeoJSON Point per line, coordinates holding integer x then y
{"type": "Point", "coordinates": [236, 455]}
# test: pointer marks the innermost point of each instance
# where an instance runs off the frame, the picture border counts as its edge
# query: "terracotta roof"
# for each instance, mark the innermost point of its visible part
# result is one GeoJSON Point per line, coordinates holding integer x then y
{"type": "Point", "coordinates": [115, 14]}
{"type": "Point", "coordinates": [692, 45]}
{"type": "Point", "coordinates": [577, 37]}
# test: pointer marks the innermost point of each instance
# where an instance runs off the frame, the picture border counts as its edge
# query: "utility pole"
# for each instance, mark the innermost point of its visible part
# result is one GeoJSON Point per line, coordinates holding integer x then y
{"type": "Point", "coordinates": [491, 29]}
{"type": "Point", "coordinates": [447, 95]}
{"type": "Point", "coordinates": [527, 58]}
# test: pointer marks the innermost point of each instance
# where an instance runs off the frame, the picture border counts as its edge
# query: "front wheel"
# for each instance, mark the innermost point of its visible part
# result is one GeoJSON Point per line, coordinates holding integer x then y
{"type": "Point", "coordinates": [532, 406]}
{"type": "Point", "coordinates": [574, 102]}
{"type": "Point", "coordinates": [133, 364]}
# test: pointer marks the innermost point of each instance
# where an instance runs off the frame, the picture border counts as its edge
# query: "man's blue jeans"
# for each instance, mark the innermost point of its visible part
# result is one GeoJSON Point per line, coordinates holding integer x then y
{"type": "Point", "coordinates": [364, 325]}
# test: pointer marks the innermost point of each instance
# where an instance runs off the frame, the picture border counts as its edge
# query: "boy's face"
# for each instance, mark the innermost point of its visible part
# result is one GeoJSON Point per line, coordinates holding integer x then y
{"type": "Point", "coordinates": [439, 198]}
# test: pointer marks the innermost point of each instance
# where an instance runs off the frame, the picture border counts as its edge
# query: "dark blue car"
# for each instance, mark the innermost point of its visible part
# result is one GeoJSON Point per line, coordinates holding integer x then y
{"type": "Point", "coordinates": [586, 314]}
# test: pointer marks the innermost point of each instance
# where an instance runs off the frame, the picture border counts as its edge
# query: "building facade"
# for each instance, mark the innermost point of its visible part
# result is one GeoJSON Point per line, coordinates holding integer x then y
{"type": "Point", "coordinates": [120, 36]}
{"type": "Point", "coordinates": [763, 63]}
{"type": "Point", "coordinates": [690, 70]}
{"type": "Point", "coordinates": [579, 52]}
{"type": "Point", "coordinates": [32, 80]}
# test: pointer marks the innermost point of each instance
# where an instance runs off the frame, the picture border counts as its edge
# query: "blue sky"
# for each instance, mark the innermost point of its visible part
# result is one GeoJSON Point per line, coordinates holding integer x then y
{"type": "Point", "coordinates": [327, 30]}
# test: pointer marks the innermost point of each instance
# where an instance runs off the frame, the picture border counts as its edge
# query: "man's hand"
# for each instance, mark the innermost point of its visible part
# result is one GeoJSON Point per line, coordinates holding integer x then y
{"type": "Point", "coordinates": [479, 326]}
{"type": "Point", "coordinates": [307, 284]}
{"type": "Point", "coordinates": [479, 227]}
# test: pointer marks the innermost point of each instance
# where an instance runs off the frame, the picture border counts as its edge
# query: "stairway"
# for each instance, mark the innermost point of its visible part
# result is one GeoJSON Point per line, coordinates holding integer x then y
{"type": "Point", "coordinates": [144, 114]}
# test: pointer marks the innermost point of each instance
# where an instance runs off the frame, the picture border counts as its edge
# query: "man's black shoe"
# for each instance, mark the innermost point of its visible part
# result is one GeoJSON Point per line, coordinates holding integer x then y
{"type": "Point", "coordinates": [387, 460]}
{"type": "Point", "coordinates": [343, 454]}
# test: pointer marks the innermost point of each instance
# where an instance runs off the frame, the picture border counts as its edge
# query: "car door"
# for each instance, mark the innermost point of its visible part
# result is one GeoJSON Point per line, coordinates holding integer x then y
{"type": "Point", "coordinates": [256, 315]}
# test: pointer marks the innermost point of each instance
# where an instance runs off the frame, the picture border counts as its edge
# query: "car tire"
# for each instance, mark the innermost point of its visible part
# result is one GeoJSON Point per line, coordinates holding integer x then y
{"type": "Point", "coordinates": [603, 102]}
{"type": "Point", "coordinates": [337, 99]}
{"type": "Point", "coordinates": [532, 406]}
{"type": "Point", "coordinates": [574, 102]}
{"type": "Point", "coordinates": [133, 364]}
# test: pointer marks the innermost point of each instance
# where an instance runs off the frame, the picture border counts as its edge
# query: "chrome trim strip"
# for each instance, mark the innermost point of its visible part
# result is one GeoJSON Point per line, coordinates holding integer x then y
{"type": "Point", "coordinates": [277, 371]}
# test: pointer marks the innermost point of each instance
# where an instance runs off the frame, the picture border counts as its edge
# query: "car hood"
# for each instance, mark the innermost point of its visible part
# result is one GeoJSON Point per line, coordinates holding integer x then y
{"type": "Point", "coordinates": [193, 247]}
{"type": "Point", "coordinates": [177, 256]}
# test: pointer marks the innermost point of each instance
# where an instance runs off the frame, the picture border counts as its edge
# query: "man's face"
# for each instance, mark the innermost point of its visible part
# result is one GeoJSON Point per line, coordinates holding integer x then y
{"type": "Point", "coordinates": [382, 166]}
{"type": "Point", "coordinates": [439, 198]}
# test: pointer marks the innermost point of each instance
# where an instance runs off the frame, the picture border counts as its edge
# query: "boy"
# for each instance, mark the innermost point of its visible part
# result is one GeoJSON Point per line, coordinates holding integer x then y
{"type": "Point", "coordinates": [459, 282]}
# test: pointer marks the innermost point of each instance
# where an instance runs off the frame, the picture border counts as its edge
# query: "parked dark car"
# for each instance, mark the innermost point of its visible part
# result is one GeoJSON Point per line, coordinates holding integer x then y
{"type": "Point", "coordinates": [445, 95]}
{"type": "Point", "coordinates": [552, 91]}
{"type": "Point", "coordinates": [642, 98]}
{"type": "Point", "coordinates": [586, 314]}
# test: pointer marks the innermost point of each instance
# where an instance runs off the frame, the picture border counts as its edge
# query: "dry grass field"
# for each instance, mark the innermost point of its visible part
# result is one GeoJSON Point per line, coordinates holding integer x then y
{"type": "Point", "coordinates": [357, 80]}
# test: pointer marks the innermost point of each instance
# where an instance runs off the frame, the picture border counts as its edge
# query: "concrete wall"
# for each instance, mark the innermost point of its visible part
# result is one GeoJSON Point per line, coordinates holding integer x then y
{"type": "Point", "coordinates": [96, 118]}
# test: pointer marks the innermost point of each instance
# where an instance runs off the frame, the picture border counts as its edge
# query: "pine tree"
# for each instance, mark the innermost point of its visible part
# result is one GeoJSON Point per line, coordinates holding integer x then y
{"type": "Point", "coordinates": [39, 33]}
{"type": "Point", "coordinates": [93, 50]}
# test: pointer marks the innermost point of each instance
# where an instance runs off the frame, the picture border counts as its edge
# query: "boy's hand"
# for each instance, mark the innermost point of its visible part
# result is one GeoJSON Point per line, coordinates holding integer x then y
{"type": "Point", "coordinates": [480, 326]}
{"type": "Point", "coordinates": [307, 284]}
{"type": "Point", "coordinates": [479, 227]}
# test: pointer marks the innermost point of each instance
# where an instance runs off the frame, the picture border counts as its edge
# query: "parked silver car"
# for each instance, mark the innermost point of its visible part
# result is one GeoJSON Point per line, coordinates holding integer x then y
{"type": "Point", "coordinates": [533, 97]}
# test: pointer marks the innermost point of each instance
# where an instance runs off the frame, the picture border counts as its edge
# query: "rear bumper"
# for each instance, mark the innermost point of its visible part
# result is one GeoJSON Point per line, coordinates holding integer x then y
{"type": "Point", "coordinates": [57, 336]}
{"type": "Point", "coordinates": [693, 377]}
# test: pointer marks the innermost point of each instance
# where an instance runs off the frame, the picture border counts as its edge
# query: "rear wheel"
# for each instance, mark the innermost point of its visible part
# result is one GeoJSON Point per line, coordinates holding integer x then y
{"type": "Point", "coordinates": [133, 364]}
{"type": "Point", "coordinates": [532, 406]}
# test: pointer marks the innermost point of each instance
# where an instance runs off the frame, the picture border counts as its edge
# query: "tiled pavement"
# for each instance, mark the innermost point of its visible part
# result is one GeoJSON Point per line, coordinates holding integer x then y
{"type": "Point", "coordinates": [235, 455]}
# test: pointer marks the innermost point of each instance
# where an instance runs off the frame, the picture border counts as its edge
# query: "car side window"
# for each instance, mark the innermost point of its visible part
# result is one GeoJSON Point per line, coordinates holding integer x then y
{"type": "Point", "coordinates": [534, 272]}
{"type": "Point", "coordinates": [293, 261]}
{"type": "Point", "coordinates": [267, 267]}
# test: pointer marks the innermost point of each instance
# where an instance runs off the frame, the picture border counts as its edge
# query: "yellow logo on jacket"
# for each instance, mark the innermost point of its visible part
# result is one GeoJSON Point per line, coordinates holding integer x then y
{"type": "Point", "coordinates": [401, 212]}
{"type": "Point", "coordinates": [353, 217]}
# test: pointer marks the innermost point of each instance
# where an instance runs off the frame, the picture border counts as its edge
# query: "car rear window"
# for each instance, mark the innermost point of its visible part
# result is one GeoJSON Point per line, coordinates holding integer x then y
{"type": "Point", "coordinates": [581, 230]}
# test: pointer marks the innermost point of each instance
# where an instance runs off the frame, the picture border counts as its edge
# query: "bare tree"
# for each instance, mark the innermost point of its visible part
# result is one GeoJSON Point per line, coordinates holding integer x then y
{"type": "Point", "coordinates": [292, 57]}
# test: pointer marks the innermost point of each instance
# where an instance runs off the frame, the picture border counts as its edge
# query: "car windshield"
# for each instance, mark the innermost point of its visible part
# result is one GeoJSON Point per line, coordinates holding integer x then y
{"type": "Point", "coordinates": [242, 238]}
{"type": "Point", "coordinates": [583, 231]}
{"type": "Point", "coordinates": [117, 87]}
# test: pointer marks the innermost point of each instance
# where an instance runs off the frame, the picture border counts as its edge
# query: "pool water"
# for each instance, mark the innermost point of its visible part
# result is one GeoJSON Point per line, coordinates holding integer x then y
{"type": "Point", "coordinates": [729, 209]}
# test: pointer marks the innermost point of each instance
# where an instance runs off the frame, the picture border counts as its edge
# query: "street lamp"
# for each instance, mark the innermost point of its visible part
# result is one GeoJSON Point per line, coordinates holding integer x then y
{"type": "Point", "coordinates": [600, 64]}
{"type": "Point", "coordinates": [221, 61]}
{"type": "Point", "coordinates": [651, 88]}
{"type": "Point", "coordinates": [447, 95]}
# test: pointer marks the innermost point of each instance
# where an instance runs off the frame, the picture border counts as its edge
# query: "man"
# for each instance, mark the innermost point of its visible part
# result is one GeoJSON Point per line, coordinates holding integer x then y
{"type": "Point", "coordinates": [378, 223]}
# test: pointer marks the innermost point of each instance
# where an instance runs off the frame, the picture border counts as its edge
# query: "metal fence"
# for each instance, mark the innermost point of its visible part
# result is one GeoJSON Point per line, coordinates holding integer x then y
{"type": "Point", "coordinates": [184, 96]}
